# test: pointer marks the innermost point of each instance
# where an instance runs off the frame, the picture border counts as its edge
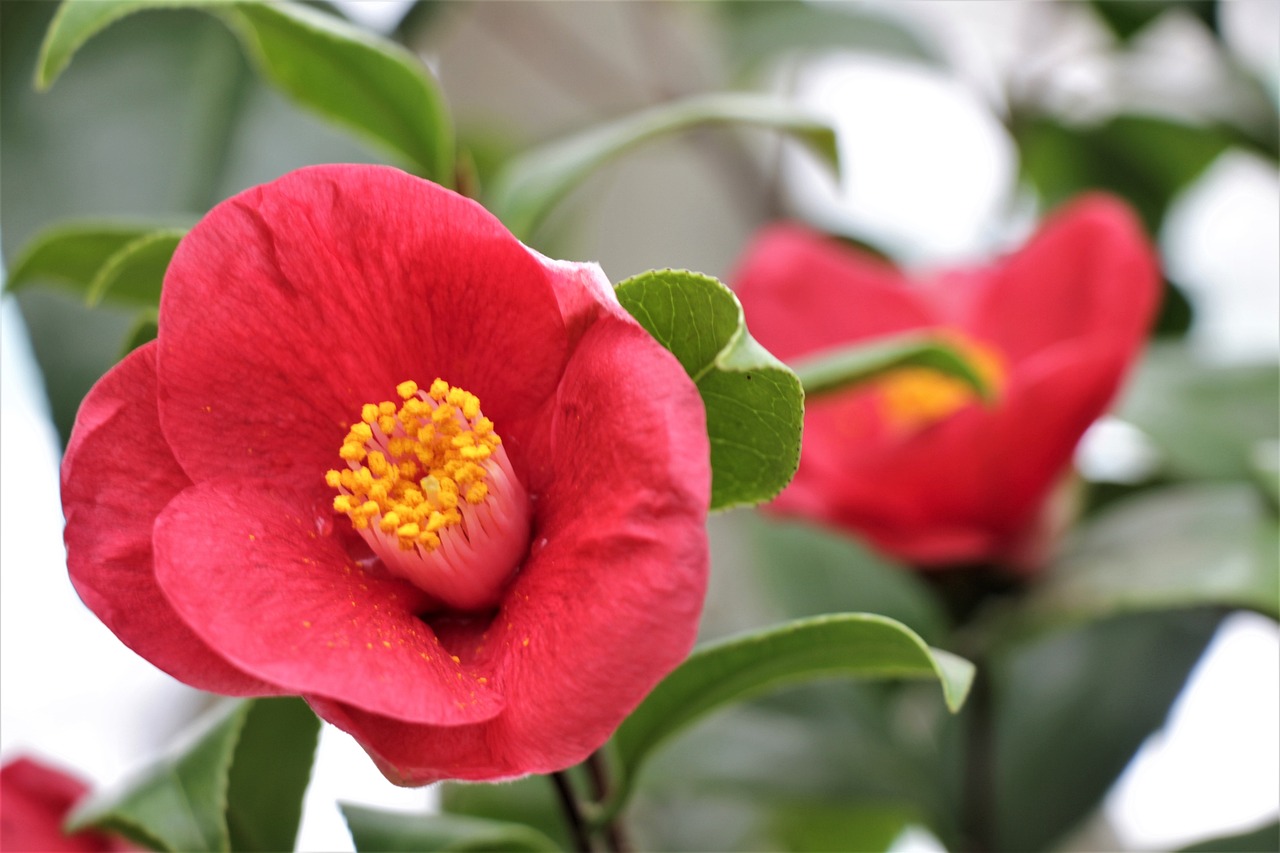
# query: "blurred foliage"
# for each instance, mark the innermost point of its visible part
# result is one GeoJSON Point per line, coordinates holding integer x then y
{"type": "Point", "coordinates": [1128, 17]}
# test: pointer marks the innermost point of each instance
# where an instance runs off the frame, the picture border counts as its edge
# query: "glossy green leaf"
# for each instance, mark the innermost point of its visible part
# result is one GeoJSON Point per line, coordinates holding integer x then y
{"type": "Point", "coordinates": [72, 254]}
{"type": "Point", "coordinates": [754, 403]}
{"type": "Point", "coordinates": [527, 188]}
{"type": "Point", "coordinates": [270, 773]}
{"type": "Point", "coordinates": [1173, 548]}
{"type": "Point", "coordinates": [849, 645]}
{"type": "Point", "coordinates": [838, 370]}
{"type": "Point", "coordinates": [235, 780]}
{"type": "Point", "coordinates": [135, 273]}
{"type": "Point", "coordinates": [1205, 419]}
{"type": "Point", "coordinates": [145, 329]}
{"type": "Point", "coordinates": [179, 802]}
{"type": "Point", "coordinates": [365, 83]}
{"type": "Point", "coordinates": [531, 801]}
{"type": "Point", "coordinates": [390, 832]}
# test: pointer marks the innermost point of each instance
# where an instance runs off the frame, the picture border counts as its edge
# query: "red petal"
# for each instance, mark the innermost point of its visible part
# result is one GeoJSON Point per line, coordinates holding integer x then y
{"type": "Point", "coordinates": [1089, 272]}
{"type": "Point", "coordinates": [263, 577]}
{"type": "Point", "coordinates": [293, 303]}
{"type": "Point", "coordinates": [117, 475]}
{"type": "Point", "coordinates": [608, 601]}
{"type": "Point", "coordinates": [803, 292]}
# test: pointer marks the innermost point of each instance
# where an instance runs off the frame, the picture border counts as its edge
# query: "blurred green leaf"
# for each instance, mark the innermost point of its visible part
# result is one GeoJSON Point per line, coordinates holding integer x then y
{"type": "Point", "coordinates": [850, 645]}
{"type": "Point", "coordinates": [531, 801]}
{"type": "Point", "coordinates": [1146, 160]}
{"type": "Point", "coordinates": [269, 774]}
{"type": "Point", "coordinates": [233, 781]}
{"type": "Point", "coordinates": [1072, 708]}
{"type": "Point", "coordinates": [135, 273]}
{"type": "Point", "coordinates": [1206, 419]}
{"type": "Point", "coordinates": [755, 407]}
{"type": "Point", "coordinates": [1127, 17]}
{"type": "Point", "coordinates": [73, 253]}
{"type": "Point", "coordinates": [809, 571]}
{"type": "Point", "coordinates": [821, 827]}
{"type": "Point", "coordinates": [761, 32]}
{"type": "Point", "coordinates": [365, 83]}
{"type": "Point", "coordinates": [145, 329]}
{"type": "Point", "coordinates": [1266, 470]}
{"type": "Point", "coordinates": [1189, 546]}
{"type": "Point", "coordinates": [530, 184]}
{"type": "Point", "coordinates": [179, 802]}
{"type": "Point", "coordinates": [373, 829]}
{"type": "Point", "coordinates": [840, 369]}
{"type": "Point", "coordinates": [1265, 837]}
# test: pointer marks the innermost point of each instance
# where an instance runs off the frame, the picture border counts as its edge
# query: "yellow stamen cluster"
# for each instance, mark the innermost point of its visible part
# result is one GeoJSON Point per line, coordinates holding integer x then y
{"type": "Point", "coordinates": [915, 397]}
{"type": "Point", "coordinates": [410, 465]}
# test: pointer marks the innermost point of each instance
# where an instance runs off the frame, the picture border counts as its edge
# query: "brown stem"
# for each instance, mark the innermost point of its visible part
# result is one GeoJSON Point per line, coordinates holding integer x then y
{"type": "Point", "coordinates": [572, 812]}
{"type": "Point", "coordinates": [615, 834]}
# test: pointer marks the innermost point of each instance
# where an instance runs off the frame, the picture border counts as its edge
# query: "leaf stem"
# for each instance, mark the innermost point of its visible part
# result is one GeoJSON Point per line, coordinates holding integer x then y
{"type": "Point", "coordinates": [572, 812]}
{"type": "Point", "coordinates": [615, 835]}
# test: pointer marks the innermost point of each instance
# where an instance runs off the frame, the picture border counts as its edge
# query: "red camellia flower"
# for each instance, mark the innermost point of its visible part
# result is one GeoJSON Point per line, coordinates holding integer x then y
{"type": "Point", "coordinates": [35, 800]}
{"type": "Point", "coordinates": [386, 457]}
{"type": "Point", "coordinates": [914, 463]}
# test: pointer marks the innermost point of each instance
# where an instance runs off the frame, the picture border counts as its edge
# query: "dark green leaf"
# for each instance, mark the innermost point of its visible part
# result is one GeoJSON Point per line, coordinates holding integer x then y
{"type": "Point", "coordinates": [849, 645]}
{"type": "Point", "coordinates": [135, 273]}
{"type": "Point", "coordinates": [838, 370]}
{"type": "Point", "coordinates": [366, 83]}
{"type": "Point", "coordinates": [1073, 708]}
{"type": "Point", "coordinates": [1265, 837]}
{"type": "Point", "coordinates": [1205, 545]}
{"type": "Point", "coordinates": [145, 329]}
{"type": "Point", "coordinates": [1206, 419]}
{"type": "Point", "coordinates": [179, 802]}
{"type": "Point", "coordinates": [269, 774]}
{"type": "Point", "coordinates": [531, 801]}
{"type": "Point", "coordinates": [1127, 17]}
{"type": "Point", "coordinates": [72, 254]}
{"type": "Point", "coordinates": [755, 407]}
{"type": "Point", "coordinates": [525, 191]}
{"type": "Point", "coordinates": [372, 829]}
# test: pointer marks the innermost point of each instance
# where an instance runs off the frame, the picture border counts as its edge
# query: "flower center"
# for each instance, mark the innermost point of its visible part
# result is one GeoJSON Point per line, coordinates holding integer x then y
{"type": "Point", "coordinates": [915, 397]}
{"type": "Point", "coordinates": [429, 487]}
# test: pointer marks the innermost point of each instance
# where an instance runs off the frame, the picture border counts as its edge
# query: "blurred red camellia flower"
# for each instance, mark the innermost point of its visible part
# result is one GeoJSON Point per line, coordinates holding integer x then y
{"type": "Point", "coordinates": [384, 456]}
{"type": "Point", "coordinates": [914, 463]}
{"type": "Point", "coordinates": [35, 800]}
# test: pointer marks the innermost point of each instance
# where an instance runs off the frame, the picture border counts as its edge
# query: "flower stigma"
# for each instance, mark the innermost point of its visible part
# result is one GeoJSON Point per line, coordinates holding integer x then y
{"type": "Point", "coordinates": [913, 398]}
{"type": "Point", "coordinates": [429, 486]}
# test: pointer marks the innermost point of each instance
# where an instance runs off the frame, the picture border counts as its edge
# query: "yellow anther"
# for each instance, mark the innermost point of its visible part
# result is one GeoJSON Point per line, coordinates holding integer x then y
{"type": "Point", "coordinates": [427, 459]}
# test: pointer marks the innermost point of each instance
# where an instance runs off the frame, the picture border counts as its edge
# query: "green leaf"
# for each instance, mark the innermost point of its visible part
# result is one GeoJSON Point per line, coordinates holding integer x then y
{"type": "Point", "coordinates": [1174, 548]}
{"type": "Point", "coordinates": [135, 273]}
{"type": "Point", "coordinates": [759, 32]}
{"type": "Point", "coordinates": [1265, 837]}
{"type": "Point", "coordinates": [849, 366]}
{"type": "Point", "coordinates": [73, 253]}
{"type": "Point", "coordinates": [527, 188]}
{"type": "Point", "coordinates": [179, 802]}
{"type": "Point", "coordinates": [235, 779]}
{"type": "Point", "coordinates": [365, 83]}
{"type": "Point", "coordinates": [851, 645]}
{"type": "Point", "coordinates": [1205, 419]}
{"type": "Point", "coordinates": [373, 829]}
{"type": "Point", "coordinates": [531, 801]}
{"type": "Point", "coordinates": [145, 329]}
{"type": "Point", "coordinates": [269, 774]}
{"type": "Point", "coordinates": [1073, 707]}
{"type": "Point", "coordinates": [754, 403]}
{"type": "Point", "coordinates": [820, 827]}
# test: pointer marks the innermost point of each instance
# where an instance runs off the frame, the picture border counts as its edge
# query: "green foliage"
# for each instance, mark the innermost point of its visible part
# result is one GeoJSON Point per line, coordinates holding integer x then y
{"type": "Point", "coordinates": [531, 801]}
{"type": "Point", "coordinates": [372, 829]}
{"type": "Point", "coordinates": [849, 645]}
{"type": "Point", "coordinates": [220, 787]}
{"type": "Point", "coordinates": [1205, 419]}
{"type": "Point", "coordinates": [839, 370]}
{"type": "Point", "coordinates": [1174, 548]}
{"type": "Point", "coordinates": [77, 257]}
{"type": "Point", "coordinates": [365, 83]}
{"type": "Point", "coordinates": [1265, 837]}
{"type": "Point", "coordinates": [755, 407]}
{"type": "Point", "coordinates": [531, 183]}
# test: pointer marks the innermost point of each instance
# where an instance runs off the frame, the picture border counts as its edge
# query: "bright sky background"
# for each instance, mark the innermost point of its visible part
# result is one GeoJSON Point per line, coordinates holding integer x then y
{"type": "Point", "coordinates": [73, 693]}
